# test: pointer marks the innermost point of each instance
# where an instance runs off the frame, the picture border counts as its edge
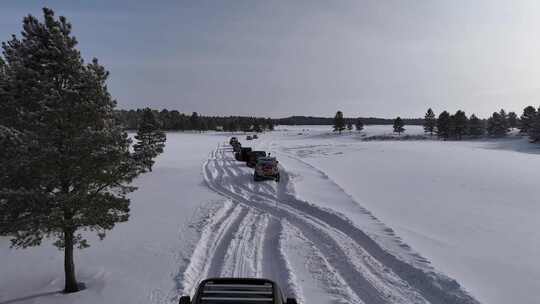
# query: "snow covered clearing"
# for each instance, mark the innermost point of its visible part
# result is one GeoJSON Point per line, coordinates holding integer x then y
{"type": "Point", "coordinates": [470, 208]}
{"type": "Point", "coordinates": [140, 261]}
{"type": "Point", "coordinates": [351, 221]}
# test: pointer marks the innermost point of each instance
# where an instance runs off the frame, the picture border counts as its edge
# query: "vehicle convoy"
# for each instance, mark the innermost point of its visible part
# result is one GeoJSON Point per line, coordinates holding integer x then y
{"type": "Point", "coordinates": [252, 157]}
{"type": "Point", "coordinates": [266, 168]}
{"type": "Point", "coordinates": [237, 290]}
{"type": "Point", "coordinates": [242, 155]}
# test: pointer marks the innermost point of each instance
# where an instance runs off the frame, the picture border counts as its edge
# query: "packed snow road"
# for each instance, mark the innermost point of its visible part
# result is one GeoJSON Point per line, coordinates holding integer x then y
{"type": "Point", "coordinates": [317, 253]}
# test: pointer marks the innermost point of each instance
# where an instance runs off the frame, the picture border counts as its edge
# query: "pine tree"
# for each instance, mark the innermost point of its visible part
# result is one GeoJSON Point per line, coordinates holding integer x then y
{"type": "Point", "coordinates": [203, 125]}
{"type": "Point", "coordinates": [270, 124]}
{"type": "Point", "coordinates": [460, 124]}
{"type": "Point", "coordinates": [151, 140]}
{"type": "Point", "coordinates": [512, 120]}
{"type": "Point", "coordinates": [66, 164]}
{"type": "Point", "coordinates": [233, 125]}
{"type": "Point", "coordinates": [504, 121]}
{"type": "Point", "coordinates": [339, 122]}
{"type": "Point", "coordinates": [534, 128]}
{"type": "Point", "coordinates": [476, 126]}
{"type": "Point", "coordinates": [257, 127]}
{"type": "Point", "coordinates": [194, 121]}
{"type": "Point", "coordinates": [165, 119]}
{"type": "Point", "coordinates": [452, 127]}
{"type": "Point", "coordinates": [399, 125]}
{"type": "Point", "coordinates": [359, 124]}
{"type": "Point", "coordinates": [526, 119]}
{"type": "Point", "coordinates": [443, 125]}
{"type": "Point", "coordinates": [430, 122]}
{"type": "Point", "coordinates": [497, 125]}
{"type": "Point", "coordinates": [245, 126]}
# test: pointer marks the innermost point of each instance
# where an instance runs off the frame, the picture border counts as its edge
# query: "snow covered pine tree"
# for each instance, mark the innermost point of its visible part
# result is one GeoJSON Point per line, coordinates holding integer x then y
{"type": "Point", "coordinates": [66, 165]}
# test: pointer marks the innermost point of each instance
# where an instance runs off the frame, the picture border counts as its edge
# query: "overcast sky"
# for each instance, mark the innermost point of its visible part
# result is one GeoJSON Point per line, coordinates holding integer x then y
{"type": "Point", "coordinates": [278, 58]}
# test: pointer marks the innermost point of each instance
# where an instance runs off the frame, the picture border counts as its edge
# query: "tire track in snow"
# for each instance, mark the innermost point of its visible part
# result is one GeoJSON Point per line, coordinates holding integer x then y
{"type": "Point", "coordinates": [266, 238]}
{"type": "Point", "coordinates": [382, 278]}
{"type": "Point", "coordinates": [243, 256]}
{"type": "Point", "coordinates": [389, 240]}
{"type": "Point", "coordinates": [327, 244]}
{"type": "Point", "coordinates": [329, 280]}
{"type": "Point", "coordinates": [276, 266]}
{"type": "Point", "coordinates": [373, 290]}
{"type": "Point", "coordinates": [413, 268]}
{"type": "Point", "coordinates": [233, 241]}
{"type": "Point", "coordinates": [209, 251]}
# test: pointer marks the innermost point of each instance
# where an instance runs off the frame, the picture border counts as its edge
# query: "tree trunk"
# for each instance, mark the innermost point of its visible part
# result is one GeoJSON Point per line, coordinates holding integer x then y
{"type": "Point", "coordinates": [69, 266]}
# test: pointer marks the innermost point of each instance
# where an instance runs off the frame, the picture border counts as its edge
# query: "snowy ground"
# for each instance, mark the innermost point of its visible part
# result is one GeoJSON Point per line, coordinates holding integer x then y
{"type": "Point", "coordinates": [350, 222]}
{"type": "Point", "coordinates": [139, 261]}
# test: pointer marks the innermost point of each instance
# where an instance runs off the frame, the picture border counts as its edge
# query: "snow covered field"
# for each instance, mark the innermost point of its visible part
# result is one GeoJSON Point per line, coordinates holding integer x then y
{"type": "Point", "coordinates": [471, 208]}
{"type": "Point", "coordinates": [350, 222]}
{"type": "Point", "coordinates": [139, 261]}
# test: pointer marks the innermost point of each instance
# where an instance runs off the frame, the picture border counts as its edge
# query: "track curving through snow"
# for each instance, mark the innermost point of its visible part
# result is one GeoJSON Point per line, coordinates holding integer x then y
{"type": "Point", "coordinates": [252, 233]}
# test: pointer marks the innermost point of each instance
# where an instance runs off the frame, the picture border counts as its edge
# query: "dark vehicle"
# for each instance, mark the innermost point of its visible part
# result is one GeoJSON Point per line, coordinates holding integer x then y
{"type": "Point", "coordinates": [249, 137]}
{"type": "Point", "coordinates": [255, 136]}
{"type": "Point", "coordinates": [266, 168]}
{"type": "Point", "coordinates": [233, 140]}
{"type": "Point", "coordinates": [253, 156]}
{"type": "Point", "coordinates": [242, 155]}
{"type": "Point", "coordinates": [237, 146]}
{"type": "Point", "coordinates": [237, 291]}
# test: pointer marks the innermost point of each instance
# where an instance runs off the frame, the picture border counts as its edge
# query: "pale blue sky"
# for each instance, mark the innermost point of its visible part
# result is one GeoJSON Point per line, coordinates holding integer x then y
{"type": "Point", "coordinates": [278, 58]}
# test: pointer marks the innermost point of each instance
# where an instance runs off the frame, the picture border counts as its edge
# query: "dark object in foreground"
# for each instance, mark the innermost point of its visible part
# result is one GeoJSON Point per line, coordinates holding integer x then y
{"type": "Point", "coordinates": [252, 157]}
{"type": "Point", "coordinates": [243, 154]}
{"type": "Point", "coordinates": [237, 146]}
{"type": "Point", "coordinates": [237, 290]}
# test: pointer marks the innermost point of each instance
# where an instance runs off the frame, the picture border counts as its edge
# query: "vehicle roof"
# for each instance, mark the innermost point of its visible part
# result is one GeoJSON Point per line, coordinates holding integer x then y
{"type": "Point", "coordinates": [266, 159]}
{"type": "Point", "coordinates": [222, 280]}
{"type": "Point", "coordinates": [236, 290]}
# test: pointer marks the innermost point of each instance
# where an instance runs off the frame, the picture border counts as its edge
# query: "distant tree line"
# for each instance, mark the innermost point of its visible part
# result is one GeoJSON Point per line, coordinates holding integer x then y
{"type": "Point", "coordinates": [448, 126]}
{"type": "Point", "coordinates": [175, 121]}
{"type": "Point", "coordinates": [311, 120]}
{"type": "Point", "coordinates": [499, 124]}
{"type": "Point", "coordinates": [340, 123]}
